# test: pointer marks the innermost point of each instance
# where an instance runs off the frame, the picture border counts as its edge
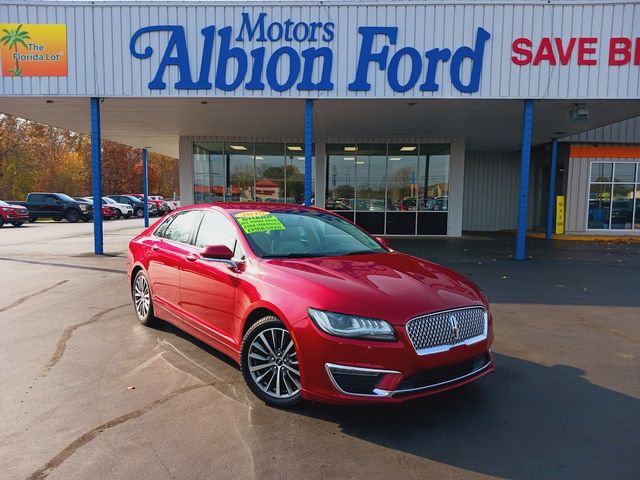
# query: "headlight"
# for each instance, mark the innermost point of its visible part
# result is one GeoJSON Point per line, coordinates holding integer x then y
{"type": "Point", "coordinates": [82, 207]}
{"type": "Point", "coordinates": [351, 326]}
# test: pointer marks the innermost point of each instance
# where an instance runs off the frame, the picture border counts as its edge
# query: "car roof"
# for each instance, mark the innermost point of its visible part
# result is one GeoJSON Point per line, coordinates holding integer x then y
{"type": "Point", "coordinates": [235, 207]}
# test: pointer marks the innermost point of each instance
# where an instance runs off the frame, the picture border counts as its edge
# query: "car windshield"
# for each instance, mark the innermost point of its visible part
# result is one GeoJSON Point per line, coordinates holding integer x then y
{"type": "Point", "coordinates": [303, 233]}
{"type": "Point", "coordinates": [109, 200]}
{"type": "Point", "coordinates": [3, 204]}
{"type": "Point", "coordinates": [65, 197]}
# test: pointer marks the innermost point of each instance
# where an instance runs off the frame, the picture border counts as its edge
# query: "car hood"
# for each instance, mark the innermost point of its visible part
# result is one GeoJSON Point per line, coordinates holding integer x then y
{"type": "Point", "coordinates": [392, 286]}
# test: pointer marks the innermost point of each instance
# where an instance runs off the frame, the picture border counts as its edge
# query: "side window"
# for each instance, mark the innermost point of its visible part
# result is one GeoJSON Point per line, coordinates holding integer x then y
{"type": "Point", "coordinates": [36, 198]}
{"type": "Point", "coordinates": [216, 230]}
{"type": "Point", "coordinates": [160, 231]}
{"type": "Point", "coordinates": [181, 228]}
{"type": "Point", "coordinates": [51, 200]}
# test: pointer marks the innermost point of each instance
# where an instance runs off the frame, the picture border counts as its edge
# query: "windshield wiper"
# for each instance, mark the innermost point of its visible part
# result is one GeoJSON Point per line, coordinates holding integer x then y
{"type": "Point", "coordinates": [357, 252]}
{"type": "Point", "coordinates": [294, 255]}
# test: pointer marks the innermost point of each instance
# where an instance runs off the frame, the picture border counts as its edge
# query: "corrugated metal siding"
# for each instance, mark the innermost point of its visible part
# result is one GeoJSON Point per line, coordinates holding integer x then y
{"type": "Point", "coordinates": [490, 191]}
{"type": "Point", "coordinates": [100, 62]}
{"type": "Point", "coordinates": [627, 131]}
{"type": "Point", "coordinates": [575, 220]}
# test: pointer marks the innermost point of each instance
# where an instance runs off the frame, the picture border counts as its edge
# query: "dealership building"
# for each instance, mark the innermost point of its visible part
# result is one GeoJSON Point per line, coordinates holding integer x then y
{"type": "Point", "coordinates": [407, 117]}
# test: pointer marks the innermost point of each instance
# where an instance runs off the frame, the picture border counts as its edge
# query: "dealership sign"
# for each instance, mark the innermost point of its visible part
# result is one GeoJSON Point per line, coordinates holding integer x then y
{"type": "Point", "coordinates": [309, 68]}
{"type": "Point", "coordinates": [33, 50]}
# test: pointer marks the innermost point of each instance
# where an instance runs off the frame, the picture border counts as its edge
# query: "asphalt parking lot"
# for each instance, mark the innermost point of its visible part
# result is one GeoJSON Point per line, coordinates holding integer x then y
{"type": "Point", "coordinates": [87, 392]}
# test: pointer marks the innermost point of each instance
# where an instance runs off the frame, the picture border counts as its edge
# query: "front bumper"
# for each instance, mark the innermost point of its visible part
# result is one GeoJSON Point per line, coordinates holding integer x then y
{"type": "Point", "coordinates": [342, 370]}
{"type": "Point", "coordinates": [15, 217]}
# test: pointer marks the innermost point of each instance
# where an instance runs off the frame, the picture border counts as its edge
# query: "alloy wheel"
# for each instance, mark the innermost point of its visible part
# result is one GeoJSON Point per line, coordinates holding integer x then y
{"type": "Point", "coordinates": [141, 297]}
{"type": "Point", "coordinates": [273, 363]}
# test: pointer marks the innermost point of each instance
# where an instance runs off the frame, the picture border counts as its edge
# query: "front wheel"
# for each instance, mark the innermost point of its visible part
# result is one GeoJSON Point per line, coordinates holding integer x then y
{"type": "Point", "coordinates": [118, 214]}
{"type": "Point", "coordinates": [142, 299]}
{"type": "Point", "coordinates": [72, 216]}
{"type": "Point", "coordinates": [139, 212]}
{"type": "Point", "coordinates": [269, 363]}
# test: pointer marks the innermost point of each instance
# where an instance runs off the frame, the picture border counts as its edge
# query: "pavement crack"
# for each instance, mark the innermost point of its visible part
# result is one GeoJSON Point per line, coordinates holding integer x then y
{"type": "Point", "coordinates": [66, 335]}
{"type": "Point", "coordinates": [87, 437]}
{"type": "Point", "coordinates": [20, 301]}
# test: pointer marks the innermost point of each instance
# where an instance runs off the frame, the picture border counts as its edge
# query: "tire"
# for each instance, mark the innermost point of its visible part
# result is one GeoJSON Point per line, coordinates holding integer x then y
{"type": "Point", "coordinates": [16, 224]}
{"type": "Point", "coordinates": [270, 370]}
{"type": "Point", "coordinates": [33, 219]}
{"type": "Point", "coordinates": [1, 222]}
{"type": "Point", "coordinates": [118, 214]}
{"type": "Point", "coordinates": [139, 212]}
{"type": "Point", "coordinates": [142, 303]}
{"type": "Point", "coordinates": [72, 215]}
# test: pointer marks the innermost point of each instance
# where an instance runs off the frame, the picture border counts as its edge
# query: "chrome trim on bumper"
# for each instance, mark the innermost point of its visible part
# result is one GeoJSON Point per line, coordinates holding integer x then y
{"type": "Point", "coordinates": [376, 392]}
{"type": "Point", "coordinates": [391, 393]}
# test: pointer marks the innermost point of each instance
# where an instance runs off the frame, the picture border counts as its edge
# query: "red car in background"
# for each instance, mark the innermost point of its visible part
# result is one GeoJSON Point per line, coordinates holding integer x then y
{"type": "Point", "coordinates": [16, 215]}
{"type": "Point", "coordinates": [310, 305]}
{"type": "Point", "coordinates": [162, 206]}
{"type": "Point", "coordinates": [108, 212]}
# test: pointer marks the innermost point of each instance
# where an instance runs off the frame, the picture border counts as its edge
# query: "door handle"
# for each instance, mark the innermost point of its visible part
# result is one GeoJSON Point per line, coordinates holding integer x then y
{"type": "Point", "coordinates": [155, 246]}
{"type": "Point", "coordinates": [190, 258]}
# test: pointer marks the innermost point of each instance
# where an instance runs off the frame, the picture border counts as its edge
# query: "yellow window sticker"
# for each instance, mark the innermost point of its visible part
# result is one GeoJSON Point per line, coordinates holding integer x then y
{"type": "Point", "coordinates": [254, 222]}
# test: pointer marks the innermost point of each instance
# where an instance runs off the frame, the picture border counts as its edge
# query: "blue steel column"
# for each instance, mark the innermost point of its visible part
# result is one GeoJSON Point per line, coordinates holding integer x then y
{"type": "Point", "coordinates": [308, 140]}
{"type": "Point", "coordinates": [96, 176]}
{"type": "Point", "coordinates": [552, 187]}
{"type": "Point", "coordinates": [525, 162]}
{"type": "Point", "coordinates": [145, 187]}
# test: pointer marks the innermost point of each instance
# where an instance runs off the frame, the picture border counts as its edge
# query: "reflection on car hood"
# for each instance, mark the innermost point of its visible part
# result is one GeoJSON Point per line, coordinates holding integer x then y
{"type": "Point", "coordinates": [392, 286]}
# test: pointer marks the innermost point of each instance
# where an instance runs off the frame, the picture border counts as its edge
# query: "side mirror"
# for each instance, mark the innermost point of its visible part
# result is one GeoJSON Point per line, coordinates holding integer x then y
{"type": "Point", "coordinates": [217, 252]}
{"type": "Point", "coordinates": [383, 242]}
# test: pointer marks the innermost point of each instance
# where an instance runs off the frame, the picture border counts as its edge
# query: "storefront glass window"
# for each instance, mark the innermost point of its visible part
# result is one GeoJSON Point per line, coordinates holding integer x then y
{"type": "Point", "coordinates": [613, 193]}
{"type": "Point", "coordinates": [247, 171]}
{"type": "Point", "coordinates": [241, 168]}
{"type": "Point", "coordinates": [433, 178]}
{"type": "Point", "coordinates": [341, 177]}
{"type": "Point", "coordinates": [295, 171]}
{"type": "Point", "coordinates": [208, 169]}
{"type": "Point", "coordinates": [383, 187]}
{"type": "Point", "coordinates": [269, 172]}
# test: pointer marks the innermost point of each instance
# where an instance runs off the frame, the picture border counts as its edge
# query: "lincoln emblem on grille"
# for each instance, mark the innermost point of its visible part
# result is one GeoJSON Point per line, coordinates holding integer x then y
{"type": "Point", "coordinates": [453, 321]}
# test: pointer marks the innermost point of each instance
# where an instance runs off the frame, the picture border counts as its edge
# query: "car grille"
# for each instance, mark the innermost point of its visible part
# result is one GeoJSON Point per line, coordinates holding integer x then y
{"type": "Point", "coordinates": [438, 332]}
{"type": "Point", "coordinates": [439, 376]}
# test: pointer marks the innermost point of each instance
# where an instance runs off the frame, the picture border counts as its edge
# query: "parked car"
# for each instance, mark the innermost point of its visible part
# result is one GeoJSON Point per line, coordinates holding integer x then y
{"type": "Point", "coordinates": [173, 204]}
{"type": "Point", "coordinates": [57, 206]}
{"type": "Point", "coordinates": [310, 305]}
{"type": "Point", "coordinates": [108, 212]}
{"type": "Point", "coordinates": [162, 206]}
{"type": "Point", "coordinates": [16, 215]}
{"type": "Point", "coordinates": [122, 209]}
{"type": "Point", "coordinates": [136, 204]}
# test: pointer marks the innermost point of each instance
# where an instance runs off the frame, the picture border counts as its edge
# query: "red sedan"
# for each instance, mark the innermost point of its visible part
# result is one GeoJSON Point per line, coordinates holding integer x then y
{"type": "Point", "coordinates": [310, 305]}
{"type": "Point", "coordinates": [16, 215]}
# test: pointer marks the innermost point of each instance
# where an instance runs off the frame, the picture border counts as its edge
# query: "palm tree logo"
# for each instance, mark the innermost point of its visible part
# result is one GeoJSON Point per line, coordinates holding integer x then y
{"type": "Point", "coordinates": [11, 40]}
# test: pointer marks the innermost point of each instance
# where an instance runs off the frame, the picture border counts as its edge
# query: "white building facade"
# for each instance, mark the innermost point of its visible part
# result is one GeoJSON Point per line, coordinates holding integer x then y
{"type": "Point", "coordinates": [416, 113]}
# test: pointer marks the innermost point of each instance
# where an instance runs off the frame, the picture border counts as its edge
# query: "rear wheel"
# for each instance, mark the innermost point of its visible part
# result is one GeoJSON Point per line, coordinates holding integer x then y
{"type": "Point", "coordinates": [16, 224]}
{"type": "Point", "coordinates": [269, 363]}
{"type": "Point", "coordinates": [142, 299]}
{"type": "Point", "coordinates": [72, 215]}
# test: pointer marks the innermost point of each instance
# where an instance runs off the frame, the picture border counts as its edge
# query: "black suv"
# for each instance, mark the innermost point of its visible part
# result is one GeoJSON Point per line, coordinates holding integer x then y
{"type": "Point", "coordinates": [138, 205]}
{"type": "Point", "coordinates": [57, 206]}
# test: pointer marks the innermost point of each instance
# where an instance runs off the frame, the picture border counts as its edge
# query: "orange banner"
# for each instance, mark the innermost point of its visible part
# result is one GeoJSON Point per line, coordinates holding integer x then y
{"type": "Point", "coordinates": [33, 50]}
{"type": "Point", "coordinates": [604, 151]}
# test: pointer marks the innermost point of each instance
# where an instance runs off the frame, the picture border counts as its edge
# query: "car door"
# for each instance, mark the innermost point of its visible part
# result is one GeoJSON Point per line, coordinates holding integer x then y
{"type": "Point", "coordinates": [53, 206]}
{"type": "Point", "coordinates": [166, 252]}
{"type": "Point", "coordinates": [209, 287]}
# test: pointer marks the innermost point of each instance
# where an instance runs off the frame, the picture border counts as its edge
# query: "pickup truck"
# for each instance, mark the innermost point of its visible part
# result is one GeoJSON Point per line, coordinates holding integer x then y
{"type": "Point", "coordinates": [56, 206]}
